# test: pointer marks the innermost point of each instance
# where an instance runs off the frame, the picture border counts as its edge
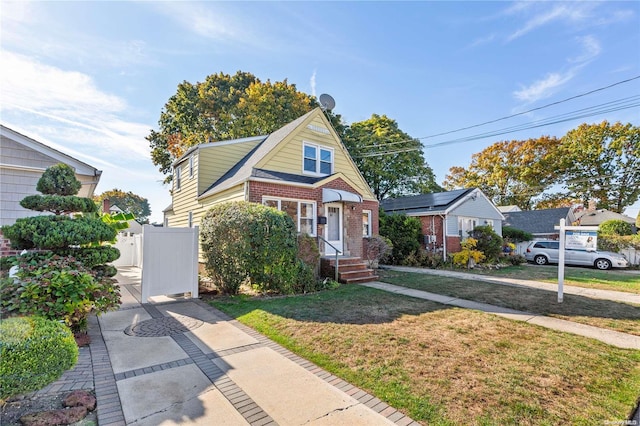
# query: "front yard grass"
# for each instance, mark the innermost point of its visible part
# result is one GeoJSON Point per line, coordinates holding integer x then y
{"type": "Point", "coordinates": [450, 366]}
{"type": "Point", "coordinates": [613, 279]}
{"type": "Point", "coordinates": [600, 313]}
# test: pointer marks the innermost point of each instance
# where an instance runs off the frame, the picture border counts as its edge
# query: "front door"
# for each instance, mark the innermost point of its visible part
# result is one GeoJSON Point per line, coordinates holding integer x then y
{"type": "Point", "coordinates": [334, 228]}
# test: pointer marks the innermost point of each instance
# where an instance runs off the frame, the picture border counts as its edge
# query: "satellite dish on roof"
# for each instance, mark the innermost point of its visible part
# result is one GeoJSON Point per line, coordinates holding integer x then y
{"type": "Point", "coordinates": [327, 102]}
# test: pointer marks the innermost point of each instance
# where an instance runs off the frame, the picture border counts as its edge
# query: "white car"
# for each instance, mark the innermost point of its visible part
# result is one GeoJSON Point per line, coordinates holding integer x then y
{"type": "Point", "coordinates": [548, 251]}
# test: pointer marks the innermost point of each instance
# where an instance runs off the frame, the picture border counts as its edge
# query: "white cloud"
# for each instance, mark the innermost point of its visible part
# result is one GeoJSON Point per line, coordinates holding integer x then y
{"type": "Point", "coordinates": [590, 49]}
{"type": "Point", "coordinates": [542, 88]}
{"type": "Point", "coordinates": [313, 83]}
{"type": "Point", "coordinates": [539, 20]}
{"type": "Point", "coordinates": [547, 86]}
{"type": "Point", "coordinates": [86, 114]}
{"type": "Point", "coordinates": [482, 40]}
{"type": "Point", "coordinates": [201, 19]}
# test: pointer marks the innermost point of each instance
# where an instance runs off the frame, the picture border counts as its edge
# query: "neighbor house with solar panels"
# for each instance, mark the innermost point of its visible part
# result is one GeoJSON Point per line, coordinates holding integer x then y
{"type": "Point", "coordinates": [447, 217]}
{"type": "Point", "coordinates": [303, 169]}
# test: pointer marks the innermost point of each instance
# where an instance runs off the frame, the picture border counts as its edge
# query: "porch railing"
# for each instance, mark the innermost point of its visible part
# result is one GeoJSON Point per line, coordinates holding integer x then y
{"type": "Point", "coordinates": [337, 253]}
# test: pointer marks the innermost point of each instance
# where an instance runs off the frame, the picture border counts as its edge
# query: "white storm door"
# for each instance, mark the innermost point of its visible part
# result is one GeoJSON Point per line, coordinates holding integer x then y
{"type": "Point", "coordinates": [334, 228]}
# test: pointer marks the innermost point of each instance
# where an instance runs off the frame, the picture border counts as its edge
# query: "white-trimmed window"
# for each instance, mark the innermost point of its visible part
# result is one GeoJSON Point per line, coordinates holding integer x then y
{"type": "Point", "coordinates": [366, 223]}
{"type": "Point", "coordinates": [302, 212]}
{"type": "Point", "coordinates": [191, 166]}
{"type": "Point", "coordinates": [177, 175]}
{"type": "Point", "coordinates": [190, 220]}
{"type": "Point", "coordinates": [316, 159]}
{"type": "Point", "coordinates": [466, 225]}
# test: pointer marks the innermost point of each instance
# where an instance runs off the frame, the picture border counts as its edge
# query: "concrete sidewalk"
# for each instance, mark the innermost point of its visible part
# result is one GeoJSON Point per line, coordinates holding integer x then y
{"type": "Point", "coordinates": [593, 293]}
{"type": "Point", "coordinates": [180, 361]}
{"type": "Point", "coordinates": [611, 337]}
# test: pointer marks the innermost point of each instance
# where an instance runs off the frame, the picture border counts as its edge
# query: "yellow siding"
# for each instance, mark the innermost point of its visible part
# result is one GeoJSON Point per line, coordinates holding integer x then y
{"type": "Point", "coordinates": [185, 199]}
{"type": "Point", "coordinates": [217, 160]}
{"type": "Point", "coordinates": [287, 157]}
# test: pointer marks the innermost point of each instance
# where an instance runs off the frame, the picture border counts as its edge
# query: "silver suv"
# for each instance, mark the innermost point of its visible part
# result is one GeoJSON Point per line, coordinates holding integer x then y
{"type": "Point", "coordinates": [548, 251]}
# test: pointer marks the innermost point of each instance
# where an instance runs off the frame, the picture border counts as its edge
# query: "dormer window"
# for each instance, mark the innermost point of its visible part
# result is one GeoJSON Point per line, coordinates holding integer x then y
{"type": "Point", "coordinates": [317, 160]}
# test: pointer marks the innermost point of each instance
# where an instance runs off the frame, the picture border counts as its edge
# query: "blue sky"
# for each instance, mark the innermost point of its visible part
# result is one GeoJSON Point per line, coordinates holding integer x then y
{"type": "Point", "coordinates": [91, 78]}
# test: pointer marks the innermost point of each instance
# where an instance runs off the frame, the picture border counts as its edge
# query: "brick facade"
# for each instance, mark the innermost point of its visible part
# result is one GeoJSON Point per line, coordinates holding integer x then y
{"type": "Point", "coordinates": [352, 212]}
{"type": "Point", "coordinates": [433, 225]}
{"type": "Point", "coordinates": [5, 247]}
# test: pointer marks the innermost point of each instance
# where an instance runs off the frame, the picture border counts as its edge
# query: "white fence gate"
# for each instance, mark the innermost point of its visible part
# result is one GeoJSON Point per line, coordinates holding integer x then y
{"type": "Point", "coordinates": [130, 247]}
{"type": "Point", "coordinates": [170, 261]}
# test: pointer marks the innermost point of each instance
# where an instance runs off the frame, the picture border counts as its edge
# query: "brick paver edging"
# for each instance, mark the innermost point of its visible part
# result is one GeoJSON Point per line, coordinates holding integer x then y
{"type": "Point", "coordinates": [109, 406]}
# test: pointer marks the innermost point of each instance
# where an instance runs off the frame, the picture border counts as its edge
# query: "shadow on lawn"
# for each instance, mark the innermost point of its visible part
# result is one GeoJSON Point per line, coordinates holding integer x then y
{"type": "Point", "coordinates": [350, 304]}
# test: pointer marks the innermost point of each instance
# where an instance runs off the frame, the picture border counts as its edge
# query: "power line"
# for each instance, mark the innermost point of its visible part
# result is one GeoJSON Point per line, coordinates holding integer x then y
{"type": "Point", "coordinates": [611, 106]}
{"type": "Point", "coordinates": [534, 109]}
{"type": "Point", "coordinates": [525, 126]}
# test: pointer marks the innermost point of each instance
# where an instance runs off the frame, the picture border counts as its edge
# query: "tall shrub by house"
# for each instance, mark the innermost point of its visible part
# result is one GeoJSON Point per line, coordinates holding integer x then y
{"type": "Point", "coordinates": [487, 241]}
{"type": "Point", "coordinates": [251, 243]}
{"type": "Point", "coordinates": [405, 234]}
{"type": "Point", "coordinates": [66, 276]}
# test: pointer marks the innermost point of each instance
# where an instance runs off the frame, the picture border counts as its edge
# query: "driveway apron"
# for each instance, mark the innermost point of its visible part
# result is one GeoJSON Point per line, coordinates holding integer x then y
{"type": "Point", "coordinates": [181, 361]}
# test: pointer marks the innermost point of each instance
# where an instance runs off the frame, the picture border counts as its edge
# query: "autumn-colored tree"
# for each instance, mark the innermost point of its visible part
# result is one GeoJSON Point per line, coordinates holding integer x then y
{"type": "Point", "coordinates": [128, 202]}
{"type": "Point", "coordinates": [510, 172]}
{"type": "Point", "coordinates": [556, 200]}
{"type": "Point", "coordinates": [390, 160]}
{"type": "Point", "coordinates": [225, 107]}
{"type": "Point", "coordinates": [602, 161]}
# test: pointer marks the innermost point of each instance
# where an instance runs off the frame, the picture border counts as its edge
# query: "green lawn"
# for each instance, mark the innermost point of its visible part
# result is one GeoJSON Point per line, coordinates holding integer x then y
{"type": "Point", "coordinates": [600, 313]}
{"type": "Point", "coordinates": [450, 366]}
{"type": "Point", "coordinates": [614, 279]}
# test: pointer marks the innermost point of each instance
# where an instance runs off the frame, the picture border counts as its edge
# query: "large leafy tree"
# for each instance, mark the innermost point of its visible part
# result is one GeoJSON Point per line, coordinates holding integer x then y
{"type": "Point", "coordinates": [510, 172]}
{"type": "Point", "coordinates": [602, 161]}
{"type": "Point", "coordinates": [128, 202]}
{"type": "Point", "coordinates": [390, 160]}
{"type": "Point", "coordinates": [225, 107]}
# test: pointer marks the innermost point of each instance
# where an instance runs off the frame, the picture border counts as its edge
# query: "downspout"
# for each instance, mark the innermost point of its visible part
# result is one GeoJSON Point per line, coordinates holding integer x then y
{"type": "Point", "coordinates": [246, 190]}
{"type": "Point", "coordinates": [444, 238]}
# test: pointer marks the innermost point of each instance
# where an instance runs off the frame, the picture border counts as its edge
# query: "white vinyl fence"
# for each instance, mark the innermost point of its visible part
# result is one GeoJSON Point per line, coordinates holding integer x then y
{"type": "Point", "coordinates": [130, 247]}
{"type": "Point", "coordinates": [170, 261]}
{"type": "Point", "coordinates": [632, 255]}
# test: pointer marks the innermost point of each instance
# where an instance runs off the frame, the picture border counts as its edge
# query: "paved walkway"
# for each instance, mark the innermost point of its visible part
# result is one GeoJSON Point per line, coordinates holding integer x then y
{"type": "Point", "coordinates": [180, 361]}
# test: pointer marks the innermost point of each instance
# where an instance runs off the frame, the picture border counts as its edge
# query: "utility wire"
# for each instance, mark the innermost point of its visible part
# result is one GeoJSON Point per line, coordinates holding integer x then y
{"type": "Point", "coordinates": [612, 106]}
{"type": "Point", "coordinates": [526, 126]}
{"type": "Point", "coordinates": [534, 109]}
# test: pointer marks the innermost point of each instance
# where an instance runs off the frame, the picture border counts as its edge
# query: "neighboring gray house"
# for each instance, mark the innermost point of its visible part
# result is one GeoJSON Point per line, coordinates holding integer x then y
{"type": "Point", "coordinates": [22, 162]}
{"type": "Point", "coordinates": [539, 223]}
{"type": "Point", "coordinates": [596, 217]}
{"type": "Point", "coordinates": [447, 217]}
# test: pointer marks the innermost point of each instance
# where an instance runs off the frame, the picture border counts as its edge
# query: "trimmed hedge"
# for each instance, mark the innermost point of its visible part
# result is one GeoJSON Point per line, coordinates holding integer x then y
{"type": "Point", "coordinates": [59, 179]}
{"type": "Point", "coordinates": [57, 232]}
{"type": "Point", "coordinates": [249, 242]}
{"type": "Point", "coordinates": [59, 204]}
{"type": "Point", "coordinates": [33, 353]}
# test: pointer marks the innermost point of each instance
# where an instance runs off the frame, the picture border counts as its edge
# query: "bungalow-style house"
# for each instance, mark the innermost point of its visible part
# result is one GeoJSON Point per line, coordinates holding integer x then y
{"type": "Point", "coordinates": [302, 169]}
{"type": "Point", "coordinates": [22, 162]}
{"type": "Point", "coordinates": [447, 217]}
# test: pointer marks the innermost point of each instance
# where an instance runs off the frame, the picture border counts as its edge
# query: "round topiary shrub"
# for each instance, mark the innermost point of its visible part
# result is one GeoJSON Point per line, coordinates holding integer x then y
{"type": "Point", "coordinates": [33, 353]}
